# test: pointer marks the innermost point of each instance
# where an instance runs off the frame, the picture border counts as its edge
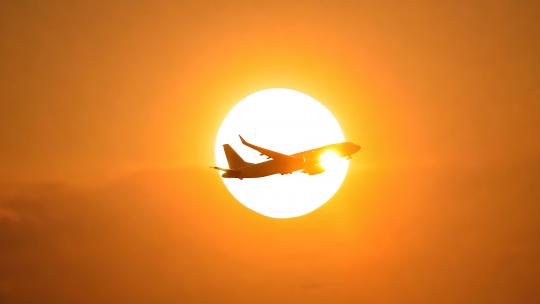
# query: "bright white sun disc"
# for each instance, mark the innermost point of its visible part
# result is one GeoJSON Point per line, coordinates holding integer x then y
{"type": "Point", "coordinates": [286, 121]}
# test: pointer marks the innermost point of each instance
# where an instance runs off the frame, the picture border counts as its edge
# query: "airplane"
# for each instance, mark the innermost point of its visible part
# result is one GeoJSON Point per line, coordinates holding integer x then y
{"type": "Point", "coordinates": [308, 162]}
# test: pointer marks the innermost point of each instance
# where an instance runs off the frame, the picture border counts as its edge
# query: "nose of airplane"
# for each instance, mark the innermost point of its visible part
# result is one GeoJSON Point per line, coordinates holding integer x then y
{"type": "Point", "coordinates": [356, 147]}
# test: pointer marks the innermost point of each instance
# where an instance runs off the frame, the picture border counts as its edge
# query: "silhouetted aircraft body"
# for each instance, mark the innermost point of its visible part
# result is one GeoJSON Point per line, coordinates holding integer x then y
{"type": "Point", "coordinates": [308, 161]}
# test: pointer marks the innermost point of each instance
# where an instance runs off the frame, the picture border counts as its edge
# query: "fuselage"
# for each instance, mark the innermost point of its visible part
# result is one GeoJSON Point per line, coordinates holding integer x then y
{"type": "Point", "coordinates": [307, 160]}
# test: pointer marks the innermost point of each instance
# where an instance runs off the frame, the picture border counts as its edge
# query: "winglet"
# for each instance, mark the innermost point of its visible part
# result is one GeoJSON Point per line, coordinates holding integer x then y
{"type": "Point", "coordinates": [242, 139]}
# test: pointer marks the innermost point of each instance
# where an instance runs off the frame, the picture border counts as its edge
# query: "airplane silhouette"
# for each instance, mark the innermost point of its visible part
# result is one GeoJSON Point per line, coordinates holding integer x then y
{"type": "Point", "coordinates": [308, 162]}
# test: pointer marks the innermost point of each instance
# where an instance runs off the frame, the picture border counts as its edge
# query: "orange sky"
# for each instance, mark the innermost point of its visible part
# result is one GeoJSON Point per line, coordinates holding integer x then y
{"type": "Point", "coordinates": [109, 111]}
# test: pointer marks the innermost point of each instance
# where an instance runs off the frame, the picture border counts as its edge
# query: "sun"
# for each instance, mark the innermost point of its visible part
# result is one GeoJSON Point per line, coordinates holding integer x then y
{"type": "Point", "coordinates": [286, 121]}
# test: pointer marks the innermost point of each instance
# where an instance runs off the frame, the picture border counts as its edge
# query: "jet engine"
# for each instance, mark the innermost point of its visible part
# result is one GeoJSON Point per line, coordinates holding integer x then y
{"type": "Point", "coordinates": [312, 170]}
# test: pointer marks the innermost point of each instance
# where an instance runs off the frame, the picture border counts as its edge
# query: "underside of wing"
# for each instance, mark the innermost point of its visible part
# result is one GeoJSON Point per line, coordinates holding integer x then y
{"type": "Point", "coordinates": [263, 151]}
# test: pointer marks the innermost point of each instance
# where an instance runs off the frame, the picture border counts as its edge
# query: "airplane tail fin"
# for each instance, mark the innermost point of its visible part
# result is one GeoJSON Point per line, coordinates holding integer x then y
{"type": "Point", "coordinates": [234, 160]}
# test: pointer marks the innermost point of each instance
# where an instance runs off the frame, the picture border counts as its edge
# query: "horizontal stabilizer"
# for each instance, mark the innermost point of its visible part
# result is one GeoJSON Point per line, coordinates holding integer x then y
{"type": "Point", "coordinates": [220, 169]}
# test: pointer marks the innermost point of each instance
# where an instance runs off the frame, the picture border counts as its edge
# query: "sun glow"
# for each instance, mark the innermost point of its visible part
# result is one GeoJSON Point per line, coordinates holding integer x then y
{"type": "Point", "coordinates": [286, 121]}
{"type": "Point", "coordinates": [331, 161]}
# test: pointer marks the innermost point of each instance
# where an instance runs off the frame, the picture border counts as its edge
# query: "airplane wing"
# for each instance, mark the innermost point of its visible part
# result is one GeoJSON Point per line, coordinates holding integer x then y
{"type": "Point", "coordinates": [263, 151]}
